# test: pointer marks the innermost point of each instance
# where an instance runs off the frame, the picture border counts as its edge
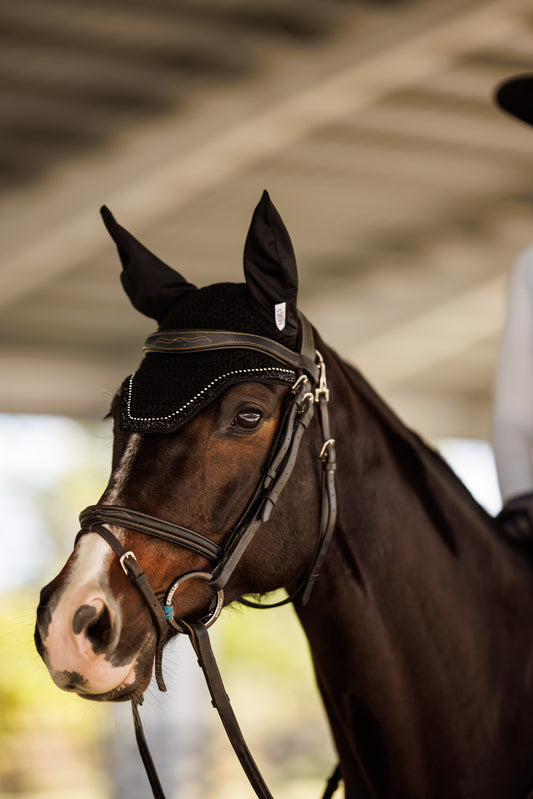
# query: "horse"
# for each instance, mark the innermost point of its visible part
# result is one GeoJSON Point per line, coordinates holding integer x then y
{"type": "Point", "coordinates": [248, 456]}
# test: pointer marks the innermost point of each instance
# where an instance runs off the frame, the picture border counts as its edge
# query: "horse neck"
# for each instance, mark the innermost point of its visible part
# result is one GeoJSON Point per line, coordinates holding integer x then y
{"type": "Point", "coordinates": [397, 622]}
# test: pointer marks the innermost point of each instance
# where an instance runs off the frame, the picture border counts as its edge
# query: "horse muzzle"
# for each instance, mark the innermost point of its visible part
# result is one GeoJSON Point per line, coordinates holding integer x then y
{"type": "Point", "coordinates": [86, 649]}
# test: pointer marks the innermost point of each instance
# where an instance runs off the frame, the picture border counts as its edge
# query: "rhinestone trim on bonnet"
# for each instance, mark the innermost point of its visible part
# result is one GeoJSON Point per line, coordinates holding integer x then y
{"type": "Point", "coordinates": [285, 373]}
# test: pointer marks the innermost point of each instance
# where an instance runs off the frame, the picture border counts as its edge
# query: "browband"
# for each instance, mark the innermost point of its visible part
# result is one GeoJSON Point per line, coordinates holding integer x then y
{"type": "Point", "coordinates": [168, 341]}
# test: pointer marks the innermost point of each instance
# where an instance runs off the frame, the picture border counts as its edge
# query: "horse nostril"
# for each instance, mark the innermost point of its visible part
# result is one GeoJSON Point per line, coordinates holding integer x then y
{"type": "Point", "coordinates": [82, 617]}
{"type": "Point", "coordinates": [95, 624]}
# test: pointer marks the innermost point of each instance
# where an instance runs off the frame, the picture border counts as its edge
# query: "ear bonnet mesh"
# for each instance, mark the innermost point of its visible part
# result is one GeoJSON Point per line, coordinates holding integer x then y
{"type": "Point", "coordinates": [170, 388]}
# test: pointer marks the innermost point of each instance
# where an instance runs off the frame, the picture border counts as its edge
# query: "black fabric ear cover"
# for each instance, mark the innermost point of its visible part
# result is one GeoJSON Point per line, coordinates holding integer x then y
{"type": "Point", "coordinates": [270, 266]}
{"type": "Point", "coordinates": [516, 97]}
{"type": "Point", "coordinates": [168, 389]}
{"type": "Point", "coordinates": [151, 285]}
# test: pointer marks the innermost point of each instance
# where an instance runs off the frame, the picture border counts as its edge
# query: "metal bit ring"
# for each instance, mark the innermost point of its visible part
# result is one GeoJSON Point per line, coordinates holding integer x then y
{"type": "Point", "coordinates": [214, 611]}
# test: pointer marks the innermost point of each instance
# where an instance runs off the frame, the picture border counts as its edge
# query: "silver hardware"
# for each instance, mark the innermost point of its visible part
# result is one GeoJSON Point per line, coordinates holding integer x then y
{"type": "Point", "coordinates": [305, 402]}
{"type": "Point", "coordinates": [214, 612]}
{"type": "Point", "coordinates": [326, 446]}
{"type": "Point", "coordinates": [299, 384]}
{"type": "Point", "coordinates": [322, 389]}
{"type": "Point", "coordinates": [123, 557]}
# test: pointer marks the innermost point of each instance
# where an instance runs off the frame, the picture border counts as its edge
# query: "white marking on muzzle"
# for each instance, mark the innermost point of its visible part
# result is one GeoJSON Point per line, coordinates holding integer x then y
{"type": "Point", "coordinates": [87, 584]}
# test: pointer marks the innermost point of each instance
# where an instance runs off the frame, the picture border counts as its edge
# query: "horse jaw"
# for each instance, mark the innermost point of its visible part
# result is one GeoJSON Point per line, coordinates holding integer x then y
{"type": "Point", "coordinates": [79, 627]}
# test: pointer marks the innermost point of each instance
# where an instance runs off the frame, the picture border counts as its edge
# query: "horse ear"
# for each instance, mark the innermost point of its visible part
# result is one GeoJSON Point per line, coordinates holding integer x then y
{"type": "Point", "coordinates": [150, 284]}
{"type": "Point", "coordinates": [270, 267]}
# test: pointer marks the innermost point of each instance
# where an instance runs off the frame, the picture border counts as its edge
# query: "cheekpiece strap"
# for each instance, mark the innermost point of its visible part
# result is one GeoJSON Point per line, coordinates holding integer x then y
{"type": "Point", "coordinates": [132, 569]}
{"type": "Point", "coordinates": [176, 341]}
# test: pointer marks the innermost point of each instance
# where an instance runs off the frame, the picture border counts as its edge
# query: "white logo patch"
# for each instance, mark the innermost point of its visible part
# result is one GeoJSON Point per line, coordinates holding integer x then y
{"type": "Point", "coordinates": [279, 314]}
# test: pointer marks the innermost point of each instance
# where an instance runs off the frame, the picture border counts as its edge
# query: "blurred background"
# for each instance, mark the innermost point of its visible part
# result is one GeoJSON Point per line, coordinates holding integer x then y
{"type": "Point", "coordinates": [407, 196]}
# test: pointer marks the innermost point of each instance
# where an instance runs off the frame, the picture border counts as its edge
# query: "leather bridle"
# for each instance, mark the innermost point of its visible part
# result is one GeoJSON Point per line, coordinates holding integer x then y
{"type": "Point", "coordinates": [309, 389]}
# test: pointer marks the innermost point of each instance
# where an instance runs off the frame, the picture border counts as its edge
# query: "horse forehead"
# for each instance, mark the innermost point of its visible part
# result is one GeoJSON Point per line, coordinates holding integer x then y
{"type": "Point", "coordinates": [123, 470]}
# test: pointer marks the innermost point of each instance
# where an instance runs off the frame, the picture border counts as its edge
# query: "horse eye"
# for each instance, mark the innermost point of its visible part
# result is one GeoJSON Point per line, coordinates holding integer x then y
{"type": "Point", "coordinates": [247, 419]}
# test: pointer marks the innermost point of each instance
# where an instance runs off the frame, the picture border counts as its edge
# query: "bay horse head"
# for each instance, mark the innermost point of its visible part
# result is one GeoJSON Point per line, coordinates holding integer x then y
{"type": "Point", "coordinates": [419, 619]}
{"type": "Point", "coordinates": [206, 434]}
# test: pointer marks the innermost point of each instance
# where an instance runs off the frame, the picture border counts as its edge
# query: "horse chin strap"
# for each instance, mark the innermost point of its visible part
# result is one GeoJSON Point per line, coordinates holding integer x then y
{"type": "Point", "coordinates": [296, 419]}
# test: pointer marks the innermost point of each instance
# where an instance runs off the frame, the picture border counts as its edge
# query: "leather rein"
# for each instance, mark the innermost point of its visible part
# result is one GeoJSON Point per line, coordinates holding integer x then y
{"type": "Point", "coordinates": [309, 389]}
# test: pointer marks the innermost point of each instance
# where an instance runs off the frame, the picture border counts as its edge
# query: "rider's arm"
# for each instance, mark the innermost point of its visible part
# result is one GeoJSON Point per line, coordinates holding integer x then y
{"type": "Point", "coordinates": [513, 396]}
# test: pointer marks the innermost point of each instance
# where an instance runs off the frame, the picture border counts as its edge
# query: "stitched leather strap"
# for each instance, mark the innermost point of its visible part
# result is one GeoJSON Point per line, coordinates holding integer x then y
{"type": "Point", "coordinates": [296, 419]}
{"type": "Point", "coordinates": [328, 513]}
{"type": "Point", "coordinates": [221, 702]}
{"type": "Point", "coordinates": [132, 570]}
{"type": "Point", "coordinates": [175, 341]}
{"type": "Point", "coordinates": [144, 752]}
{"type": "Point", "coordinates": [150, 525]}
{"type": "Point", "coordinates": [202, 647]}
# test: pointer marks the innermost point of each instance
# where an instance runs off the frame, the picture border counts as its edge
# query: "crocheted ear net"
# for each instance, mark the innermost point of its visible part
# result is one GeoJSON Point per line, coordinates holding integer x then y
{"type": "Point", "coordinates": [168, 389]}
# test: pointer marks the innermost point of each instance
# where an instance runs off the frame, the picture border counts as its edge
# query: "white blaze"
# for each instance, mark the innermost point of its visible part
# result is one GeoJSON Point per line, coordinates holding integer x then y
{"type": "Point", "coordinates": [87, 585]}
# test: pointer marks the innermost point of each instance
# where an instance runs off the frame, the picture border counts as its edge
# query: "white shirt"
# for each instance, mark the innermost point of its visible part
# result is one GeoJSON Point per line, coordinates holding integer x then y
{"type": "Point", "coordinates": [512, 431]}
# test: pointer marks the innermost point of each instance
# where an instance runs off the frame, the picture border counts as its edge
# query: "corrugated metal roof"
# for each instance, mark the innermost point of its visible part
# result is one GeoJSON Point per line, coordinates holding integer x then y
{"type": "Point", "coordinates": [407, 194]}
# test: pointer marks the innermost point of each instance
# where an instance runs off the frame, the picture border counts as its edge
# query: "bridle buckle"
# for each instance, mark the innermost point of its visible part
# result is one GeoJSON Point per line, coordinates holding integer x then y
{"type": "Point", "coordinates": [299, 384]}
{"type": "Point", "coordinates": [326, 446]}
{"type": "Point", "coordinates": [127, 571]}
{"type": "Point", "coordinates": [322, 390]}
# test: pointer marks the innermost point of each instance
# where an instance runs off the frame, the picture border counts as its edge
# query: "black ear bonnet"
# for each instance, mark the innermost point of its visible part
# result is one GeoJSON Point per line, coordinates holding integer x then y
{"type": "Point", "coordinates": [170, 388]}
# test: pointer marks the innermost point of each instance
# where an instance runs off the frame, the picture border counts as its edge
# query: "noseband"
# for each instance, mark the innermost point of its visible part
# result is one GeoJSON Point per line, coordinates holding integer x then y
{"type": "Point", "coordinates": [309, 389]}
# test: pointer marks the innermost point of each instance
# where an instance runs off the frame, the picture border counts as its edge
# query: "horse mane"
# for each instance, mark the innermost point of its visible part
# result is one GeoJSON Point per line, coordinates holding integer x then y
{"type": "Point", "coordinates": [434, 481]}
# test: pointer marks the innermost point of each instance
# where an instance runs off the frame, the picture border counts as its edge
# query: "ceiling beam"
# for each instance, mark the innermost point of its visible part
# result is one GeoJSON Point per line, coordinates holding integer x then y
{"type": "Point", "coordinates": [77, 235]}
{"type": "Point", "coordinates": [439, 334]}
